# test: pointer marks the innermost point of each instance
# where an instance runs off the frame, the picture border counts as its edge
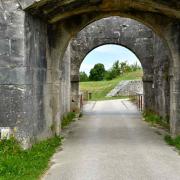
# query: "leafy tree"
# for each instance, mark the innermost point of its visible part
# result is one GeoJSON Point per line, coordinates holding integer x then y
{"type": "Point", "coordinates": [124, 67]}
{"type": "Point", "coordinates": [97, 73]}
{"type": "Point", "coordinates": [116, 69]}
{"type": "Point", "coordinates": [119, 68]}
{"type": "Point", "coordinates": [83, 77]}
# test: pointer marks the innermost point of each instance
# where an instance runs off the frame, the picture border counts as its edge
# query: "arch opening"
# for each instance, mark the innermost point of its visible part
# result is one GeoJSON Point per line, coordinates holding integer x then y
{"type": "Point", "coordinates": [141, 41]}
{"type": "Point", "coordinates": [119, 64]}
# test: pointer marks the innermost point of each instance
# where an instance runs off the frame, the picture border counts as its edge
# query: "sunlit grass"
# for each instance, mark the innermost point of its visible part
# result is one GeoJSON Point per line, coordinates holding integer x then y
{"type": "Point", "coordinates": [19, 164]}
{"type": "Point", "coordinates": [100, 89]}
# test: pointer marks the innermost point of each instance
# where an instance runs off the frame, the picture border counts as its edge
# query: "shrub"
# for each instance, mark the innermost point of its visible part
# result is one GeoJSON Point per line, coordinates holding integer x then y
{"type": "Point", "coordinates": [97, 73]}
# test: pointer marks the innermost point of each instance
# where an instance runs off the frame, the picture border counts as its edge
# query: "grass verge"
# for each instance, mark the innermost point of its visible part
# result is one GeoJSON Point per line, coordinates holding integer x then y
{"type": "Point", "coordinates": [155, 120]}
{"type": "Point", "coordinates": [19, 164]}
{"type": "Point", "coordinates": [67, 119]}
{"type": "Point", "coordinates": [173, 141]}
{"type": "Point", "coordinates": [100, 89]}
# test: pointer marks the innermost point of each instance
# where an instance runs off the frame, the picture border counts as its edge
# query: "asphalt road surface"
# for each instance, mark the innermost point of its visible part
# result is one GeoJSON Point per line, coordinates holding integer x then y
{"type": "Point", "coordinates": [112, 142]}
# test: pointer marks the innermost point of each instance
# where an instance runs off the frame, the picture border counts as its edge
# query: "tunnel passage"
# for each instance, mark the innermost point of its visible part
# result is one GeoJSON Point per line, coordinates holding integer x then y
{"type": "Point", "coordinates": [139, 39]}
{"type": "Point", "coordinates": [34, 38]}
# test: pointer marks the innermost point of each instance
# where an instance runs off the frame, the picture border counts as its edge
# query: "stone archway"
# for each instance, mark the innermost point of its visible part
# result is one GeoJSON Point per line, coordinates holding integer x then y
{"type": "Point", "coordinates": [74, 26]}
{"type": "Point", "coordinates": [35, 35]}
{"type": "Point", "coordinates": [162, 17]}
{"type": "Point", "coordinates": [139, 39]}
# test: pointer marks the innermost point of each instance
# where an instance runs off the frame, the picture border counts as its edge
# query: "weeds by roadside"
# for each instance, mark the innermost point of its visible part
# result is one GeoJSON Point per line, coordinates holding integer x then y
{"type": "Point", "coordinates": [19, 164]}
{"type": "Point", "coordinates": [155, 120]}
{"type": "Point", "coordinates": [173, 141]}
{"type": "Point", "coordinates": [67, 119]}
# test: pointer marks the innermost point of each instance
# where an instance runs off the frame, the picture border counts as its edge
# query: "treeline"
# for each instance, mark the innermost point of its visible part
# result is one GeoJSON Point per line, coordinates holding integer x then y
{"type": "Point", "coordinates": [98, 72]}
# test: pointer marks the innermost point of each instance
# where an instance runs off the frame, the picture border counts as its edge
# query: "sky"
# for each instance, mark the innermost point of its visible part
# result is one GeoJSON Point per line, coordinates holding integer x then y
{"type": "Point", "coordinates": [107, 55]}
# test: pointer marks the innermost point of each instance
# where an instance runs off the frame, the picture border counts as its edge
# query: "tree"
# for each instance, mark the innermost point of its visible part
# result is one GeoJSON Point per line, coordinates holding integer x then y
{"type": "Point", "coordinates": [116, 69]}
{"type": "Point", "coordinates": [110, 75]}
{"type": "Point", "coordinates": [97, 73]}
{"type": "Point", "coordinates": [83, 77]}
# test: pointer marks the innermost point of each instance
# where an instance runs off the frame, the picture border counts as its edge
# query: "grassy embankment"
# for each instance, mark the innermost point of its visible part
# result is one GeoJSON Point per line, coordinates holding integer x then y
{"type": "Point", "coordinates": [99, 89]}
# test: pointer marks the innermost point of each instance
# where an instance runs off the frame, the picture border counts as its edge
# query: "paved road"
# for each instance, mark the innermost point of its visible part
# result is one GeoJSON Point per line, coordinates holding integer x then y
{"type": "Point", "coordinates": [111, 142]}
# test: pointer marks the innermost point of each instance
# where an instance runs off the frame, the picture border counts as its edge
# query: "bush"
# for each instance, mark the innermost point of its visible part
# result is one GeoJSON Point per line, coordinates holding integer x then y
{"type": "Point", "coordinates": [97, 73]}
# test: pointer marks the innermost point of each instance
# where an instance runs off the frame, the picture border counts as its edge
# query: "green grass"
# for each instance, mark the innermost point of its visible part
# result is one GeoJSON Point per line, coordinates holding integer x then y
{"type": "Point", "coordinates": [155, 120]}
{"type": "Point", "coordinates": [100, 89]}
{"type": "Point", "coordinates": [67, 119]}
{"type": "Point", "coordinates": [18, 164]}
{"type": "Point", "coordinates": [173, 141]}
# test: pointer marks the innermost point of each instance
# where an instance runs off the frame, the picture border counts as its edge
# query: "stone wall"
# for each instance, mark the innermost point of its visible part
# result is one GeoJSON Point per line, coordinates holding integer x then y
{"type": "Point", "coordinates": [36, 44]}
{"type": "Point", "coordinates": [65, 83]}
{"type": "Point", "coordinates": [161, 79]}
{"type": "Point", "coordinates": [24, 84]}
{"type": "Point", "coordinates": [15, 76]}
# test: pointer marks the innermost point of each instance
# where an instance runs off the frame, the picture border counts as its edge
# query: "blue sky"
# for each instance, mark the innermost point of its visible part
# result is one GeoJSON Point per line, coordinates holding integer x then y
{"type": "Point", "coordinates": [107, 55]}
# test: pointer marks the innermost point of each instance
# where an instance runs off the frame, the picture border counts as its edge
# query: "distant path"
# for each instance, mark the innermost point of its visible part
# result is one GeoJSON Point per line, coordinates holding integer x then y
{"type": "Point", "coordinates": [111, 142]}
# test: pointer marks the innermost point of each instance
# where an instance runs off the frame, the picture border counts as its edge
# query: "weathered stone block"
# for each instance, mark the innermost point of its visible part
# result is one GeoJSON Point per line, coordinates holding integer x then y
{"type": "Point", "coordinates": [74, 78]}
{"type": "Point", "coordinates": [20, 75]}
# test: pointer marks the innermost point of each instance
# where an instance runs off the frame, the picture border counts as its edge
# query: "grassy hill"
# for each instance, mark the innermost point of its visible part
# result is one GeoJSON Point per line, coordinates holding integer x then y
{"type": "Point", "coordinates": [99, 89]}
